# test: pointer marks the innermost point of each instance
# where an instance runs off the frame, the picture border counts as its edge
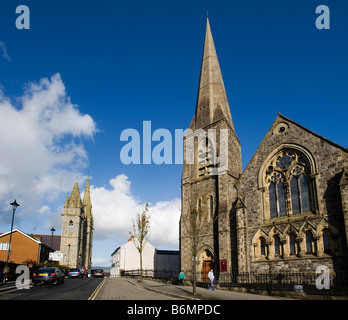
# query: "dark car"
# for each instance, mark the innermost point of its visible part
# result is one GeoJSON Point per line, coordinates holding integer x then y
{"type": "Point", "coordinates": [98, 273]}
{"type": "Point", "coordinates": [75, 273]}
{"type": "Point", "coordinates": [48, 275]}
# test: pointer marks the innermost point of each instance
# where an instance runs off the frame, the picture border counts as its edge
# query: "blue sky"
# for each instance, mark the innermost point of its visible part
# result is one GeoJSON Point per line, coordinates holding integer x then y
{"type": "Point", "coordinates": [121, 63]}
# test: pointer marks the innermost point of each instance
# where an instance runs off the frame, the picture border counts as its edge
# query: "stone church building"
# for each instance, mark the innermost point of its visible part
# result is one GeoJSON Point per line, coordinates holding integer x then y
{"type": "Point", "coordinates": [287, 211]}
{"type": "Point", "coordinates": [77, 229]}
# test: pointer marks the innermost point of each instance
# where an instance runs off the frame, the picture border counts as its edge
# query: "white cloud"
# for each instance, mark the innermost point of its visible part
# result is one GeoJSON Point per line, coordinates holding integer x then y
{"type": "Point", "coordinates": [41, 144]}
{"type": "Point", "coordinates": [114, 209]}
{"type": "Point", "coordinates": [3, 51]}
{"type": "Point", "coordinates": [44, 210]}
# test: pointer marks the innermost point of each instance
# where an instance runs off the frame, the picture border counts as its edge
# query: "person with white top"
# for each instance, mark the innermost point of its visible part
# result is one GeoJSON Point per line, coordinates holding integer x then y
{"type": "Point", "coordinates": [211, 279]}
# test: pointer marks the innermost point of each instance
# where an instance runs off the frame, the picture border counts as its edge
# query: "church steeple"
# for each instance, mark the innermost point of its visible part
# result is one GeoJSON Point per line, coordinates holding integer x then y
{"type": "Point", "coordinates": [77, 229]}
{"type": "Point", "coordinates": [75, 197]}
{"type": "Point", "coordinates": [87, 201]}
{"type": "Point", "coordinates": [204, 179]}
{"type": "Point", "coordinates": [66, 204]}
{"type": "Point", "coordinates": [212, 104]}
{"type": "Point", "coordinates": [87, 194]}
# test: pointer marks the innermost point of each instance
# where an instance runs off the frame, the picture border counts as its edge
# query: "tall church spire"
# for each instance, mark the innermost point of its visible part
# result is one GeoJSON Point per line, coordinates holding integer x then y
{"type": "Point", "coordinates": [87, 202]}
{"type": "Point", "coordinates": [87, 194]}
{"type": "Point", "coordinates": [75, 198]}
{"type": "Point", "coordinates": [212, 104]}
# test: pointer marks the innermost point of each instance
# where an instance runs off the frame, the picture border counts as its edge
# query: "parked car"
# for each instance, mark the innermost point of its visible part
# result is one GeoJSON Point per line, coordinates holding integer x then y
{"type": "Point", "coordinates": [48, 275]}
{"type": "Point", "coordinates": [84, 271]}
{"type": "Point", "coordinates": [98, 273]}
{"type": "Point", "coordinates": [75, 273]}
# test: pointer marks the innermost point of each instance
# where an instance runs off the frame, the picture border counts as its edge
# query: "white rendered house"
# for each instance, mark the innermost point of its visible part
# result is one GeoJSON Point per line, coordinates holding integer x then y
{"type": "Point", "coordinates": [127, 258]}
{"type": "Point", "coordinates": [159, 263]}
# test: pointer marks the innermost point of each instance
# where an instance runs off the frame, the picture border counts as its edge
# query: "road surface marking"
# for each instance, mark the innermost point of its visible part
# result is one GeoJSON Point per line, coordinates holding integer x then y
{"type": "Point", "coordinates": [96, 291]}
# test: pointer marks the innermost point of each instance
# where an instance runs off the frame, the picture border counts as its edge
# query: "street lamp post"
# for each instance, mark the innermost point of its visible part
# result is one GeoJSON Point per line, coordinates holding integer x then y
{"type": "Point", "coordinates": [14, 205]}
{"type": "Point", "coordinates": [69, 245]}
{"type": "Point", "coordinates": [52, 231]}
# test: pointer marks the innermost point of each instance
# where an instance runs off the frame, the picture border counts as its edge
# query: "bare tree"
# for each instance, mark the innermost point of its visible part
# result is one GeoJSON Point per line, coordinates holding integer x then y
{"type": "Point", "coordinates": [195, 225]}
{"type": "Point", "coordinates": [140, 234]}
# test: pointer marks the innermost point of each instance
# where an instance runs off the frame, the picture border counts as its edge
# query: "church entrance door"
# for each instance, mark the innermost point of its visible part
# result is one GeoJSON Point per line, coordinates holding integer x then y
{"type": "Point", "coordinates": [206, 267]}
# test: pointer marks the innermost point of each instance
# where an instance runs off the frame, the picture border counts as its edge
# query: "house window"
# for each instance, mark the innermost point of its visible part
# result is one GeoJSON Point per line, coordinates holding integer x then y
{"type": "Point", "coordinates": [4, 246]}
{"type": "Point", "coordinates": [287, 177]}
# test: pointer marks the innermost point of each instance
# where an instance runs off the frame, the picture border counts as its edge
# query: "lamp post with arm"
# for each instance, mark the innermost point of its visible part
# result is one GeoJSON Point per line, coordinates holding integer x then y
{"type": "Point", "coordinates": [14, 205]}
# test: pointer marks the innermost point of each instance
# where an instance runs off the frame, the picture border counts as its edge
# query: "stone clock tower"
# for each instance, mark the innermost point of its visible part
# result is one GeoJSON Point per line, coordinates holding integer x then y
{"type": "Point", "coordinates": [77, 229]}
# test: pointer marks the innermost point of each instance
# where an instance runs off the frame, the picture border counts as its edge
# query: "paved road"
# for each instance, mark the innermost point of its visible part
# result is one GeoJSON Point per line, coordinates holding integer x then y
{"type": "Point", "coordinates": [71, 289]}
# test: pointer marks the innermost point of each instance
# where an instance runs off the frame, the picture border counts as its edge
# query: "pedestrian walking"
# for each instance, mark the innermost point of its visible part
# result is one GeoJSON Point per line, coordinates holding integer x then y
{"type": "Point", "coordinates": [211, 280]}
{"type": "Point", "coordinates": [6, 273]}
{"type": "Point", "coordinates": [181, 278]}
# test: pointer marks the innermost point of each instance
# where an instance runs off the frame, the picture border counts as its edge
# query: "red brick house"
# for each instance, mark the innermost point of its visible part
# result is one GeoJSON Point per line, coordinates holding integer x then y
{"type": "Point", "coordinates": [24, 247]}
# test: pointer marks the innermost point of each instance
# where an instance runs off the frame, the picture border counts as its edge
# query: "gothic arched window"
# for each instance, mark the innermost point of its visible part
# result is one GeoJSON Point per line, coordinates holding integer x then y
{"type": "Point", "coordinates": [206, 156]}
{"type": "Point", "coordinates": [262, 247]}
{"type": "Point", "coordinates": [292, 244]}
{"type": "Point", "coordinates": [326, 240]}
{"type": "Point", "coordinates": [309, 243]}
{"type": "Point", "coordinates": [276, 245]}
{"type": "Point", "coordinates": [211, 209]}
{"type": "Point", "coordinates": [287, 177]}
{"type": "Point", "coordinates": [71, 226]}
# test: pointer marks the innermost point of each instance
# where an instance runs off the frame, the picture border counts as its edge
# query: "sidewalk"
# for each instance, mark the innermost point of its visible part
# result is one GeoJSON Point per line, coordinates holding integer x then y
{"type": "Point", "coordinates": [185, 292]}
{"type": "Point", "coordinates": [8, 286]}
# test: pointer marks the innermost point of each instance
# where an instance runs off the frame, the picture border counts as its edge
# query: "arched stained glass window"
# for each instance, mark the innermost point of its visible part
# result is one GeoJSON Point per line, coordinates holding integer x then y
{"type": "Point", "coordinates": [304, 193]}
{"type": "Point", "coordinates": [295, 200]}
{"type": "Point", "coordinates": [287, 176]}
{"type": "Point", "coordinates": [281, 198]}
{"type": "Point", "coordinates": [272, 199]}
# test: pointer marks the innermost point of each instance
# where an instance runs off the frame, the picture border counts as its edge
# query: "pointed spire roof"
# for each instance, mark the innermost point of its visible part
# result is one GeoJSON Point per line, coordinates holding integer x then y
{"type": "Point", "coordinates": [75, 197]}
{"type": "Point", "coordinates": [212, 104]}
{"type": "Point", "coordinates": [87, 201]}
{"type": "Point", "coordinates": [66, 204]}
{"type": "Point", "coordinates": [87, 194]}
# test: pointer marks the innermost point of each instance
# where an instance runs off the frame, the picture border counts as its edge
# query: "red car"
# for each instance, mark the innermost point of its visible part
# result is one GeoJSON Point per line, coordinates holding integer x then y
{"type": "Point", "coordinates": [83, 271]}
